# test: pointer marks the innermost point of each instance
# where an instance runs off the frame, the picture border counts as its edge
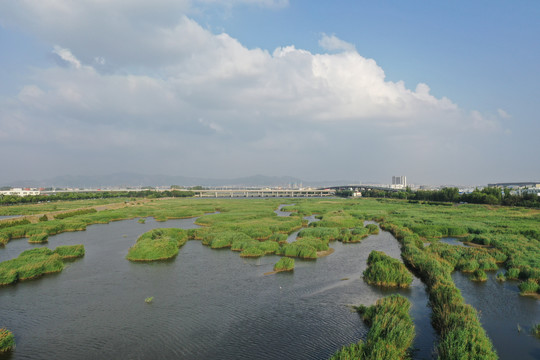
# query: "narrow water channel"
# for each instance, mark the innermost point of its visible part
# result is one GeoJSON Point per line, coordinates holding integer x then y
{"type": "Point", "coordinates": [208, 304]}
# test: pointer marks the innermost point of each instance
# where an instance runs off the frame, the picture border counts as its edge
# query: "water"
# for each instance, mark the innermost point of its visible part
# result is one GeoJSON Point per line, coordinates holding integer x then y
{"type": "Point", "coordinates": [501, 311]}
{"type": "Point", "coordinates": [2, 217]}
{"type": "Point", "coordinates": [453, 241]}
{"type": "Point", "coordinates": [208, 304]}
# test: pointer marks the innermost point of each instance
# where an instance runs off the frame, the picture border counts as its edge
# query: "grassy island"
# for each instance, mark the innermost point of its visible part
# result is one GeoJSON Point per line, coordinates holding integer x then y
{"type": "Point", "coordinates": [391, 332]}
{"type": "Point", "coordinates": [157, 244]}
{"type": "Point", "coordinates": [284, 264]}
{"type": "Point", "coordinates": [384, 270]}
{"type": "Point", "coordinates": [7, 340]}
{"type": "Point", "coordinates": [37, 262]}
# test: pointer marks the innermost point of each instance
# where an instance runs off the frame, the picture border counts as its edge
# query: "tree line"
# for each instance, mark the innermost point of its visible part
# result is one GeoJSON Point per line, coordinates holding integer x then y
{"type": "Point", "coordinates": [66, 196]}
{"type": "Point", "coordinates": [488, 195]}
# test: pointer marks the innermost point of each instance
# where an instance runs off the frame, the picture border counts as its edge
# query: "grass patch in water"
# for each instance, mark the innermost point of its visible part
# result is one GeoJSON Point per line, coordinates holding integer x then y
{"type": "Point", "coordinates": [479, 275]}
{"type": "Point", "coordinates": [157, 244]}
{"type": "Point", "coordinates": [391, 332]}
{"type": "Point", "coordinates": [529, 287]}
{"type": "Point", "coordinates": [34, 263]}
{"type": "Point", "coordinates": [7, 340]}
{"type": "Point", "coordinates": [536, 330]}
{"type": "Point", "coordinates": [284, 264]}
{"type": "Point", "coordinates": [386, 271]}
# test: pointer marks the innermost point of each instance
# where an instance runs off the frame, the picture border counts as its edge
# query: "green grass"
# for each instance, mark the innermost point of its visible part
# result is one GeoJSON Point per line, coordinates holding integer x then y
{"type": "Point", "coordinates": [7, 340]}
{"type": "Point", "coordinates": [70, 251]}
{"type": "Point", "coordinates": [284, 264]}
{"type": "Point", "coordinates": [391, 332]}
{"type": "Point", "coordinates": [38, 238]}
{"type": "Point", "coordinates": [536, 330]}
{"type": "Point", "coordinates": [386, 271]}
{"type": "Point", "coordinates": [34, 263]}
{"type": "Point", "coordinates": [479, 275]}
{"type": "Point", "coordinates": [157, 244]}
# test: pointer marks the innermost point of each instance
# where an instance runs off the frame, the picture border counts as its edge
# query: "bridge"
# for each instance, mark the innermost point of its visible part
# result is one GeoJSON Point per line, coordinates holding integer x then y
{"type": "Point", "coordinates": [361, 188]}
{"type": "Point", "coordinates": [264, 193]}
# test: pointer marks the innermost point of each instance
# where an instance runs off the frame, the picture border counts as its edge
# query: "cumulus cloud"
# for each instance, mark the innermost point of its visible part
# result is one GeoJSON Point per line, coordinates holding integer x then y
{"type": "Point", "coordinates": [175, 91]}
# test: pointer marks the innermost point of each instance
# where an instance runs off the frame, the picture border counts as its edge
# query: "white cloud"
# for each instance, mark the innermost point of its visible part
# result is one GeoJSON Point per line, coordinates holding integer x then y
{"type": "Point", "coordinates": [67, 56]}
{"type": "Point", "coordinates": [503, 114]}
{"type": "Point", "coordinates": [173, 90]}
{"type": "Point", "coordinates": [262, 3]}
{"type": "Point", "coordinates": [333, 43]}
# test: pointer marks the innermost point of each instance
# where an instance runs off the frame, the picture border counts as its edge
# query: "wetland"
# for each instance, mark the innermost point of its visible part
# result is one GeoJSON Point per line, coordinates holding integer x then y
{"type": "Point", "coordinates": [211, 302]}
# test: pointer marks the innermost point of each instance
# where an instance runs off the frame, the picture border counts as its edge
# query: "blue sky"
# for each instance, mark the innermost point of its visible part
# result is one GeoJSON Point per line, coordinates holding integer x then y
{"type": "Point", "coordinates": [312, 89]}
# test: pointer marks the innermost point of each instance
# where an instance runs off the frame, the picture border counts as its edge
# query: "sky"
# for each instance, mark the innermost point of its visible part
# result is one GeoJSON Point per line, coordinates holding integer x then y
{"type": "Point", "coordinates": [443, 92]}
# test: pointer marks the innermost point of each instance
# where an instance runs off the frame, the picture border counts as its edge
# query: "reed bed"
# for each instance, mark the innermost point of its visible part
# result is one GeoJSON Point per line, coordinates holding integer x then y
{"type": "Point", "coordinates": [38, 238]}
{"type": "Point", "coordinates": [391, 332]}
{"type": "Point", "coordinates": [74, 213]}
{"type": "Point", "coordinates": [70, 251]}
{"type": "Point", "coordinates": [7, 340]}
{"type": "Point", "coordinates": [157, 244]}
{"type": "Point", "coordinates": [34, 263]}
{"type": "Point", "coordinates": [386, 271]}
{"type": "Point", "coordinates": [284, 264]}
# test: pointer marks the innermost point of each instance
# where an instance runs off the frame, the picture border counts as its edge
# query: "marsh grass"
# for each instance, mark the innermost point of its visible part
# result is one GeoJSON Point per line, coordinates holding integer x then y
{"type": "Point", "coordinates": [34, 263]}
{"type": "Point", "coordinates": [7, 340]}
{"type": "Point", "coordinates": [479, 275]}
{"type": "Point", "coordinates": [38, 238]}
{"type": "Point", "coordinates": [536, 330]}
{"type": "Point", "coordinates": [70, 251]}
{"type": "Point", "coordinates": [284, 264]}
{"type": "Point", "coordinates": [157, 244]}
{"type": "Point", "coordinates": [528, 287]}
{"type": "Point", "coordinates": [386, 271]}
{"type": "Point", "coordinates": [391, 332]}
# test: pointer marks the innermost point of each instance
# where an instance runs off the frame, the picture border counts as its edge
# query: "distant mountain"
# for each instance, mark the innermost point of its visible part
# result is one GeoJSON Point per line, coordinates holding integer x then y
{"type": "Point", "coordinates": [136, 180]}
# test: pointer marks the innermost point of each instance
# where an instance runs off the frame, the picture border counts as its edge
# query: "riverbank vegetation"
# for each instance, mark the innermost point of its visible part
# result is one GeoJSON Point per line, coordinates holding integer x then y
{"type": "Point", "coordinates": [157, 244]}
{"type": "Point", "coordinates": [36, 262]}
{"type": "Point", "coordinates": [7, 340]}
{"type": "Point", "coordinates": [488, 195]}
{"type": "Point", "coordinates": [386, 271]}
{"type": "Point", "coordinates": [391, 332]}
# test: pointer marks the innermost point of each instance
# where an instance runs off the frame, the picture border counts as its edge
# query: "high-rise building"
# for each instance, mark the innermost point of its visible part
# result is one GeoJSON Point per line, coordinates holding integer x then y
{"type": "Point", "coordinates": [399, 182]}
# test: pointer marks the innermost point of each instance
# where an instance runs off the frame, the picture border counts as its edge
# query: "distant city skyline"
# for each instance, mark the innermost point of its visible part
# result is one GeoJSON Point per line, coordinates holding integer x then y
{"type": "Point", "coordinates": [444, 92]}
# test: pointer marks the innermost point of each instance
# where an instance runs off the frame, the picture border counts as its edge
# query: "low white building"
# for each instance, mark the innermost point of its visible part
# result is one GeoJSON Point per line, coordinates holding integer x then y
{"type": "Point", "coordinates": [20, 192]}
